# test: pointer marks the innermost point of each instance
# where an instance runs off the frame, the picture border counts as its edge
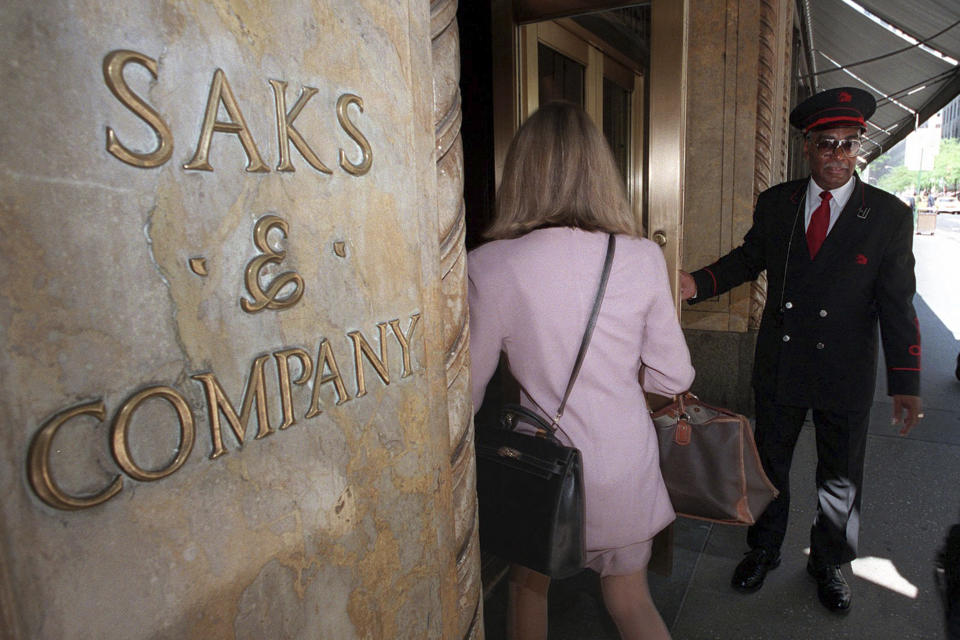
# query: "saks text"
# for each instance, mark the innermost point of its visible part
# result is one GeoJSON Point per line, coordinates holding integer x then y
{"type": "Point", "coordinates": [221, 94]}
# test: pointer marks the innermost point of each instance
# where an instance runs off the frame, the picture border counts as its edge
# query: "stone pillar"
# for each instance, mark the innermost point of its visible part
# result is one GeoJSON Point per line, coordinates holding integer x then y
{"type": "Point", "coordinates": [456, 336]}
{"type": "Point", "coordinates": [738, 78]}
{"type": "Point", "coordinates": [773, 111]}
{"type": "Point", "coordinates": [230, 392]}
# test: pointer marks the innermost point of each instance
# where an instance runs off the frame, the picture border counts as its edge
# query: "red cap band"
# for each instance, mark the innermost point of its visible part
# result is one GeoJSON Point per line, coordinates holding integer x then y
{"type": "Point", "coordinates": [836, 119]}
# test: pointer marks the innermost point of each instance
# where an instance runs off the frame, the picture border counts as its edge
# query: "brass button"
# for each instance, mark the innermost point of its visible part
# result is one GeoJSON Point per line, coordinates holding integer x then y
{"type": "Point", "coordinates": [823, 313]}
{"type": "Point", "coordinates": [786, 338]}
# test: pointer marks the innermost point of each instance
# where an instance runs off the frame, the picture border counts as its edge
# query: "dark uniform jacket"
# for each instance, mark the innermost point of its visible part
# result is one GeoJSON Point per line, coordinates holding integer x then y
{"type": "Point", "coordinates": [817, 345]}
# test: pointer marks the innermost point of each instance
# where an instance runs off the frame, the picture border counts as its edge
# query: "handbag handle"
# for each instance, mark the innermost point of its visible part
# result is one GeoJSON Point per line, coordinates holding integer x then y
{"type": "Point", "coordinates": [682, 415]}
{"type": "Point", "coordinates": [588, 333]}
{"type": "Point", "coordinates": [514, 414]}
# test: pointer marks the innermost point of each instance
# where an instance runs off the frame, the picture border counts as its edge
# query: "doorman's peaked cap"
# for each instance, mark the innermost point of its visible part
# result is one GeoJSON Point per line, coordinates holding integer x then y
{"type": "Point", "coordinates": [834, 108]}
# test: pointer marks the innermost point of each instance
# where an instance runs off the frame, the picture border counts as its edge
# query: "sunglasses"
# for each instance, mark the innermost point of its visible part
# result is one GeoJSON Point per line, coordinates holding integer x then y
{"type": "Point", "coordinates": [829, 146]}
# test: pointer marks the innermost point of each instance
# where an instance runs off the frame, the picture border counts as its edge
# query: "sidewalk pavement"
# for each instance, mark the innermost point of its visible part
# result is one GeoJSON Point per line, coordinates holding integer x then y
{"type": "Point", "coordinates": [911, 497]}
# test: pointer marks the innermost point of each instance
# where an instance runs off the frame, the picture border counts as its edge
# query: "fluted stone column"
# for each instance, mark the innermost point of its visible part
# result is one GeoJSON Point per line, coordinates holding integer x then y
{"type": "Point", "coordinates": [773, 108]}
{"type": "Point", "coordinates": [738, 78]}
{"type": "Point", "coordinates": [453, 267]}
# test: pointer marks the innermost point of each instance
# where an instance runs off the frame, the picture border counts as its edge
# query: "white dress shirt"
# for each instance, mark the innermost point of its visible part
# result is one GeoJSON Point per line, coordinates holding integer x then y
{"type": "Point", "coordinates": [838, 201]}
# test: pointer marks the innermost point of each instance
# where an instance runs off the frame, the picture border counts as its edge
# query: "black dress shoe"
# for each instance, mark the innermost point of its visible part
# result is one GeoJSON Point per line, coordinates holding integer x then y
{"type": "Point", "coordinates": [749, 574]}
{"type": "Point", "coordinates": [832, 588]}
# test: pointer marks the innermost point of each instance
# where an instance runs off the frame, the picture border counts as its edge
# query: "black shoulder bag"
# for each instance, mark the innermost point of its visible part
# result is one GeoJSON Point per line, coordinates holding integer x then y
{"type": "Point", "coordinates": [530, 487]}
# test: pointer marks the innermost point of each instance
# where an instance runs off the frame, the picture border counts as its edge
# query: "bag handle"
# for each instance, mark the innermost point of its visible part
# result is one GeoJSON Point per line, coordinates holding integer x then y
{"type": "Point", "coordinates": [514, 413]}
{"type": "Point", "coordinates": [588, 333]}
{"type": "Point", "coordinates": [584, 343]}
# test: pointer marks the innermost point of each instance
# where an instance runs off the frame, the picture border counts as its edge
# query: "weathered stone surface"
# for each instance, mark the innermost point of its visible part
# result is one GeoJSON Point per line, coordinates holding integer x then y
{"type": "Point", "coordinates": [339, 525]}
{"type": "Point", "coordinates": [721, 118]}
{"type": "Point", "coordinates": [452, 227]}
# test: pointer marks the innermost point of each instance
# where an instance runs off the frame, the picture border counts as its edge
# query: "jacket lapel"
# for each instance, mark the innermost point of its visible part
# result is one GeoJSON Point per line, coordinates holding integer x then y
{"type": "Point", "coordinates": [799, 255]}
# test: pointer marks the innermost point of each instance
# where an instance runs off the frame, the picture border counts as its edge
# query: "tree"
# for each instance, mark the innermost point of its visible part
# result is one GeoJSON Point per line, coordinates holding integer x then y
{"type": "Point", "coordinates": [897, 179]}
{"type": "Point", "coordinates": [946, 166]}
{"type": "Point", "coordinates": [880, 167]}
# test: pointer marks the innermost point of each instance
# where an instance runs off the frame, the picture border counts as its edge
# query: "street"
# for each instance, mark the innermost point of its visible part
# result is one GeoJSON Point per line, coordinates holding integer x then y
{"type": "Point", "coordinates": [938, 258]}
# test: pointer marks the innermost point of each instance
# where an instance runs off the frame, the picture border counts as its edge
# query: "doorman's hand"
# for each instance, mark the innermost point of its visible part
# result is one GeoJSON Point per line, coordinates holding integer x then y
{"type": "Point", "coordinates": [907, 410]}
{"type": "Point", "coordinates": [688, 286]}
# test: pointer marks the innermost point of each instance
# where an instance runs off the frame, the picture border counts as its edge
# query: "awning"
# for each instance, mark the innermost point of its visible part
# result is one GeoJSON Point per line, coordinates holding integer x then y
{"type": "Point", "coordinates": [913, 75]}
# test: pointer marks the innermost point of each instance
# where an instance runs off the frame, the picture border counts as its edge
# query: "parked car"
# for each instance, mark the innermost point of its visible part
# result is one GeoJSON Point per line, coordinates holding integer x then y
{"type": "Point", "coordinates": [947, 204]}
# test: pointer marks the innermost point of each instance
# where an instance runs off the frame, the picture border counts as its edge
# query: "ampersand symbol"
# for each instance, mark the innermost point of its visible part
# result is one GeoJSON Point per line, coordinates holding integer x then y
{"type": "Point", "coordinates": [269, 298]}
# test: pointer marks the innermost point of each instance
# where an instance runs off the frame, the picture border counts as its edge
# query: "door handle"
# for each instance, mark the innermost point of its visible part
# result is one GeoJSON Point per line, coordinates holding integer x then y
{"type": "Point", "coordinates": [660, 238]}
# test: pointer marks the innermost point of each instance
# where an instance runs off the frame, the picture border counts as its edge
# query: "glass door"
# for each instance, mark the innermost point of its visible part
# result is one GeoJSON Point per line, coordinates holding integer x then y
{"type": "Point", "coordinates": [559, 77]}
{"type": "Point", "coordinates": [561, 61]}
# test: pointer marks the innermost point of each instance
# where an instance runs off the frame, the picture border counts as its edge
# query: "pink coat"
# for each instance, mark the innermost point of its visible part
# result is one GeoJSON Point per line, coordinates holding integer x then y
{"type": "Point", "coordinates": [531, 297]}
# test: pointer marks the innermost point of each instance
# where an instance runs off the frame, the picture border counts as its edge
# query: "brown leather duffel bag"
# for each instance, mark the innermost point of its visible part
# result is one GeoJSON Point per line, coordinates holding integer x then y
{"type": "Point", "coordinates": [710, 464]}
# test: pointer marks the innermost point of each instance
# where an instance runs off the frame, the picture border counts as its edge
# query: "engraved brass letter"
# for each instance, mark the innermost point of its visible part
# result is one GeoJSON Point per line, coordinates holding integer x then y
{"type": "Point", "coordinates": [217, 401]}
{"type": "Point", "coordinates": [360, 344]}
{"type": "Point", "coordinates": [344, 118]}
{"type": "Point", "coordinates": [113, 64]}
{"type": "Point", "coordinates": [220, 92]}
{"type": "Point", "coordinates": [286, 132]}
{"type": "Point", "coordinates": [325, 360]}
{"type": "Point", "coordinates": [404, 341]}
{"type": "Point", "coordinates": [38, 465]}
{"type": "Point", "coordinates": [121, 443]}
{"type": "Point", "coordinates": [283, 370]}
{"type": "Point", "coordinates": [269, 299]}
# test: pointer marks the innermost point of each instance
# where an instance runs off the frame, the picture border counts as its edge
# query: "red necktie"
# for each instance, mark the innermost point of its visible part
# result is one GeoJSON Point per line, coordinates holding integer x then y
{"type": "Point", "coordinates": [819, 221]}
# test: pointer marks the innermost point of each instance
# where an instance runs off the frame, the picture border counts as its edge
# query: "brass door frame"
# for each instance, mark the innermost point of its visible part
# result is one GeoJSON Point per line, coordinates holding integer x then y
{"type": "Point", "coordinates": [667, 138]}
{"type": "Point", "coordinates": [660, 191]}
{"type": "Point", "coordinates": [570, 45]}
{"type": "Point", "coordinates": [599, 61]}
{"type": "Point", "coordinates": [632, 80]}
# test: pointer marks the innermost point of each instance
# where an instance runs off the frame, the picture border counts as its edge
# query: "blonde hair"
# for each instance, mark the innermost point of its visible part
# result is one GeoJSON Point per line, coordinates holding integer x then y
{"type": "Point", "coordinates": [559, 171]}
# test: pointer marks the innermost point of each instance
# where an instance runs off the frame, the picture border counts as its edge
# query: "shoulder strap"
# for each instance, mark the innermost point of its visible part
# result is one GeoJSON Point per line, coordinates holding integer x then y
{"type": "Point", "coordinates": [588, 333]}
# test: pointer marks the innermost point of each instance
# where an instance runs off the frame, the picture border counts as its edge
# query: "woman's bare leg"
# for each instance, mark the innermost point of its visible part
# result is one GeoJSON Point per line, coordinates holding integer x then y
{"type": "Point", "coordinates": [631, 607]}
{"type": "Point", "coordinates": [527, 604]}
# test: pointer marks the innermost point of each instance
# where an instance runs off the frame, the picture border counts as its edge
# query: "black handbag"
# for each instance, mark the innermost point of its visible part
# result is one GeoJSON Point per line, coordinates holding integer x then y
{"type": "Point", "coordinates": [530, 487]}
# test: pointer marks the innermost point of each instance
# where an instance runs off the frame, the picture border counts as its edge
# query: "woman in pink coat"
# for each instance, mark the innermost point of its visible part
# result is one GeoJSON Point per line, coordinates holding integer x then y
{"type": "Point", "coordinates": [531, 291]}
